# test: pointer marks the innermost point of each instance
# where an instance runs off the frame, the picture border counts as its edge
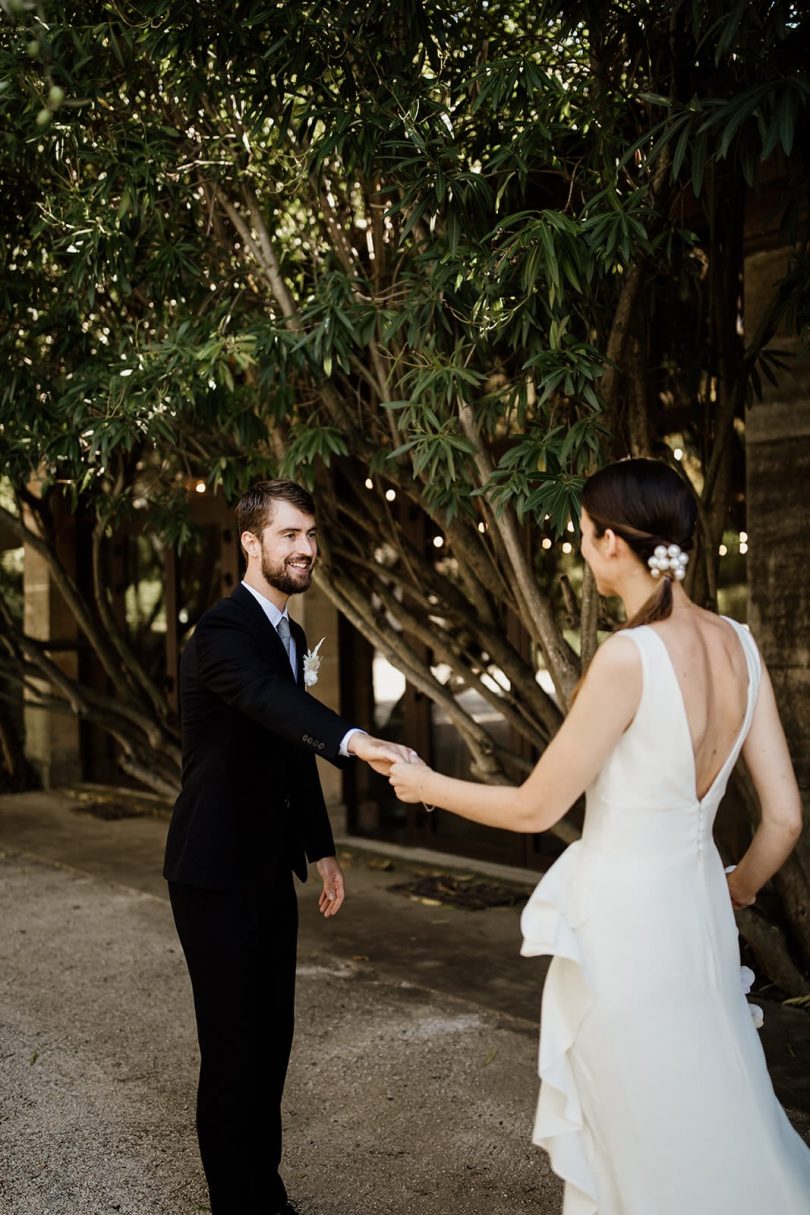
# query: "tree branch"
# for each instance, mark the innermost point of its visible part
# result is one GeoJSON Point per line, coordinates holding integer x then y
{"type": "Point", "coordinates": [69, 591]}
{"type": "Point", "coordinates": [135, 674]}
{"type": "Point", "coordinates": [537, 615]}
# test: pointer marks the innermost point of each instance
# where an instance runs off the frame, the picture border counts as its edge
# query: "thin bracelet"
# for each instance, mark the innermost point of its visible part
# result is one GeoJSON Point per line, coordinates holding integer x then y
{"type": "Point", "coordinates": [427, 806]}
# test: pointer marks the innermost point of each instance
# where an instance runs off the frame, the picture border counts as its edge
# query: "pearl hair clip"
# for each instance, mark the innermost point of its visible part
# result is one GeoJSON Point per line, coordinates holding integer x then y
{"type": "Point", "coordinates": [669, 557]}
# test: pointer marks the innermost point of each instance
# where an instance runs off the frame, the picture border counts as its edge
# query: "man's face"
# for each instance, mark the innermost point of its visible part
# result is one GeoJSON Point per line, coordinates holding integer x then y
{"type": "Point", "coordinates": [289, 548]}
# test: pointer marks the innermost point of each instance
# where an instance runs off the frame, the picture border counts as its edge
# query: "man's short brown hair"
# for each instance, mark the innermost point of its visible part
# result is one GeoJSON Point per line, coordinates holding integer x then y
{"type": "Point", "coordinates": [254, 510]}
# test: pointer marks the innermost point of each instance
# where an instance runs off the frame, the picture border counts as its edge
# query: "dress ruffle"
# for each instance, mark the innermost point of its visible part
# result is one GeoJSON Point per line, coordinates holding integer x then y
{"type": "Point", "coordinates": [549, 925]}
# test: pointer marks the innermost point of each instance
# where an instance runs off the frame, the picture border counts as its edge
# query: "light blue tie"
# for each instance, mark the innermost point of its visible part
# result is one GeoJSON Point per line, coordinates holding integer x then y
{"type": "Point", "coordinates": [283, 630]}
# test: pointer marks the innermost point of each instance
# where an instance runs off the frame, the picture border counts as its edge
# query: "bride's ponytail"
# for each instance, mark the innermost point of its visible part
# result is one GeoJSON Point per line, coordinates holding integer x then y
{"type": "Point", "coordinates": [657, 607]}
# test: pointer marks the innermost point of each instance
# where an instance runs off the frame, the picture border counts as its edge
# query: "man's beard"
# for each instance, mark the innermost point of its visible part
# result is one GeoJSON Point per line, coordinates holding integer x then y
{"type": "Point", "coordinates": [285, 579]}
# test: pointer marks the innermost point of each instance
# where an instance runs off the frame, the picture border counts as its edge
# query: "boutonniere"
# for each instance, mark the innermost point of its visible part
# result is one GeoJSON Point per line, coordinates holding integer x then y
{"type": "Point", "coordinates": [312, 665]}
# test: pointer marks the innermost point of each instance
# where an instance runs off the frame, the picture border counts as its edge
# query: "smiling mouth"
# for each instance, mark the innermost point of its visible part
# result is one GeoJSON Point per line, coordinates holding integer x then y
{"type": "Point", "coordinates": [303, 566]}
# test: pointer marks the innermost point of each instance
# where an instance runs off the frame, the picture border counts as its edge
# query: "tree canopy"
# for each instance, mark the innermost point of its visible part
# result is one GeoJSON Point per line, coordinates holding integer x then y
{"type": "Point", "coordinates": [438, 261]}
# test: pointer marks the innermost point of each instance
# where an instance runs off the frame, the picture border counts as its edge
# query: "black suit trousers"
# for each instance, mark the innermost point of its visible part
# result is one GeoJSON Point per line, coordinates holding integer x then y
{"type": "Point", "coordinates": [241, 952]}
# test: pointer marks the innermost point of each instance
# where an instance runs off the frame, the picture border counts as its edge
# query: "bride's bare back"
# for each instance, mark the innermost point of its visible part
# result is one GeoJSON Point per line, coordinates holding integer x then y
{"type": "Point", "coordinates": [712, 673]}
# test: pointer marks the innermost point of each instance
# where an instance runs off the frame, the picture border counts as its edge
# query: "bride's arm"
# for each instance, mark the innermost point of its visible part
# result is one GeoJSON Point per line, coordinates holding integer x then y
{"type": "Point", "coordinates": [768, 760]}
{"type": "Point", "coordinates": [602, 711]}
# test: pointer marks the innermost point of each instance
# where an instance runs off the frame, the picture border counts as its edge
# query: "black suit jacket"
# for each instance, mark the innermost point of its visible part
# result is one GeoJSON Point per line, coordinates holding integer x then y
{"type": "Point", "coordinates": [251, 805]}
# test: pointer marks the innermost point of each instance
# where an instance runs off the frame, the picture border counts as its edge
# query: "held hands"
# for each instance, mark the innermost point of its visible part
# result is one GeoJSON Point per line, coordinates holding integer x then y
{"type": "Point", "coordinates": [403, 767]}
{"type": "Point", "coordinates": [378, 753]}
{"type": "Point", "coordinates": [408, 778]}
{"type": "Point", "coordinates": [334, 887]}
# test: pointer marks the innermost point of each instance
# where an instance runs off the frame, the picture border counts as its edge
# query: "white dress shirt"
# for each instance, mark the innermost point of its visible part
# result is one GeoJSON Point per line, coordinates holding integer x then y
{"type": "Point", "coordinates": [273, 614]}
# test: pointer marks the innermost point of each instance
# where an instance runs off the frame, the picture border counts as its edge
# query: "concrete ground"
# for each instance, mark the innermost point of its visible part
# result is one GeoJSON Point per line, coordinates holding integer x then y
{"type": "Point", "coordinates": [412, 1085]}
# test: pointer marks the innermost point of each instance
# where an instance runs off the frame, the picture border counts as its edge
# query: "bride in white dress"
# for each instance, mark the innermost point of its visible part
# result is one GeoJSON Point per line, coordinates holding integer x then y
{"type": "Point", "coordinates": [654, 1098]}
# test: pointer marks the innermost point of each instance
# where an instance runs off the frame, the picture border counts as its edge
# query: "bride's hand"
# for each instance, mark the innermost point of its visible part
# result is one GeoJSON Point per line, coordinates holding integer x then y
{"type": "Point", "coordinates": [739, 899]}
{"type": "Point", "coordinates": [408, 779]}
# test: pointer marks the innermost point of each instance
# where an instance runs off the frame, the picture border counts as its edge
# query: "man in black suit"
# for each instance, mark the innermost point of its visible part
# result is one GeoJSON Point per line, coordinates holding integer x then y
{"type": "Point", "coordinates": [250, 813]}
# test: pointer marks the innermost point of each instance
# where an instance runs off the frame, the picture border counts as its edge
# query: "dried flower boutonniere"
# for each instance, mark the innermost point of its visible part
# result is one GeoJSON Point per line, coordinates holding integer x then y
{"type": "Point", "coordinates": [312, 665]}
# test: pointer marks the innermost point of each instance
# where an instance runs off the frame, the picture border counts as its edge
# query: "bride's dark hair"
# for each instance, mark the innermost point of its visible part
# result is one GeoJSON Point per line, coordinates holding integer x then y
{"type": "Point", "coordinates": [646, 503]}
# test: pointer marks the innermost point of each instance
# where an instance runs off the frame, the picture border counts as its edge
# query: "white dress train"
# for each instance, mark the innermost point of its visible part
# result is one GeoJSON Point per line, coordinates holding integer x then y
{"type": "Point", "coordinates": [655, 1098]}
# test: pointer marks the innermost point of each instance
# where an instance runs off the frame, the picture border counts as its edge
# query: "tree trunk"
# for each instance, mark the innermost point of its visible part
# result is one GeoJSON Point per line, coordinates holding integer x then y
{"type": "Point", "coordinates": [15, 771]}
{"type": "Point", "coordinates": [778, 446]}
{"type": "Point", "coordinates": [724, 389]}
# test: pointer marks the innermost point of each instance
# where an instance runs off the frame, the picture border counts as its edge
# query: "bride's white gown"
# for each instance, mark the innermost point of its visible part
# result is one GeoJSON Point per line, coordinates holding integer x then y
{"type": "Point", "coordinates": [655, 1098]}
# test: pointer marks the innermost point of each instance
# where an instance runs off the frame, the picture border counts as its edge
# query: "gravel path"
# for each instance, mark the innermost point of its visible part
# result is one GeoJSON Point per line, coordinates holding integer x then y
{"type": "Point", "coordinates": [398, 1100]}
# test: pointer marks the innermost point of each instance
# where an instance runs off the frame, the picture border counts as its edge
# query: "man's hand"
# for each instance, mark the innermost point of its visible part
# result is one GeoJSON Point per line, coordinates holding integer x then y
{"type": "Point", "coordinates": [379, 753]}
{"type": "Point", "coordinates": [334, 887]}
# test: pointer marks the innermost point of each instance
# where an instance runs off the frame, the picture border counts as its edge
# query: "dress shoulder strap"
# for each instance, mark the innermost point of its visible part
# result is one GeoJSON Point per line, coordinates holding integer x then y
{"type": "Point", "coordinates": [746, 640]}
{"type": "Point", "coordinates": [645, 642]}
{"type": "Point", "coordinates": [752, 655]}
{"type": "Point", "coordinates": [643, 638]}
{"type": "Point", "coordinates": [639, 634]}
